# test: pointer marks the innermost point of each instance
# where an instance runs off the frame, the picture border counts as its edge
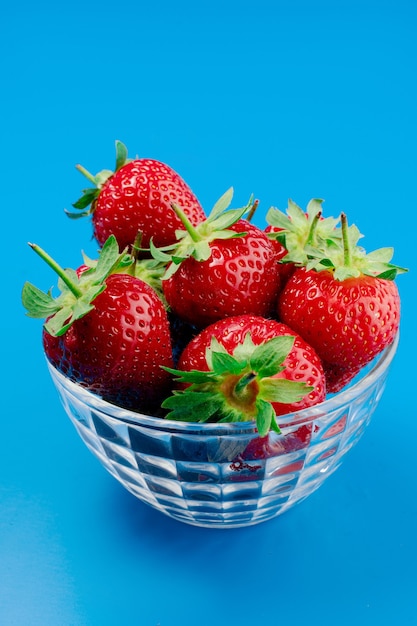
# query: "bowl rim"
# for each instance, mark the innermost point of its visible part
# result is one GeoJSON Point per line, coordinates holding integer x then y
{"type": "Point", "coordinates": [365, 379]}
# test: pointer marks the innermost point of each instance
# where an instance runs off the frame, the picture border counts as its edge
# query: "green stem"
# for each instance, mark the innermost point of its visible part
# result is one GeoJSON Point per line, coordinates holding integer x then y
{"type": "Point", "coordinates": [311, 234]}
{"type": "Point", "coordinates": [58, 269]}
{"type": "Point", "coordinates": [242, 384]}
{"type": "Point", "coordinates": [252, 211]}
{"type": "Point", "coordinates": [136, 249]}
{"type": "Point", "coordinates": [87, 174]}
{"type": "Point", "coordinates": [347, 253]}
{"type": "Point", "coordinates": [193, 232]}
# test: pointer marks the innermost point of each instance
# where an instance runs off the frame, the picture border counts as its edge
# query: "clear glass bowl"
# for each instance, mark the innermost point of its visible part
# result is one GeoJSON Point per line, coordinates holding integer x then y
{"type": "Point", "coordinates": [224, 475]}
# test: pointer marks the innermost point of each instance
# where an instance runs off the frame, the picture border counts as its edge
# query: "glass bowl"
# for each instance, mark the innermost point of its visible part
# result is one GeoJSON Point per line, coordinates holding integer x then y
{"type": "Point", "coordinates": [224, 475]}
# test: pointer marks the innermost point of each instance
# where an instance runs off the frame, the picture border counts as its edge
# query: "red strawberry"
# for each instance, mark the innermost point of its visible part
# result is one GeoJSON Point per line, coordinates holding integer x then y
{"type": "Point", "coordinates": [137, 197]}
{"type": "Point", "coordinates": [246, 368]}
{"type": "Point", "coordinates": [225, 266]}
{"type": "Point", "coordinates": [150, 271]}
{"type": "Point", "coordinates": [106, 331]}
{"type": "Point", "coordinates": [346, 306]}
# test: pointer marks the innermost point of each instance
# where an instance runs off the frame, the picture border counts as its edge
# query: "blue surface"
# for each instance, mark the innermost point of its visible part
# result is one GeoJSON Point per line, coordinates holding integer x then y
{"type": "Point", "coordinates": [280, 99]}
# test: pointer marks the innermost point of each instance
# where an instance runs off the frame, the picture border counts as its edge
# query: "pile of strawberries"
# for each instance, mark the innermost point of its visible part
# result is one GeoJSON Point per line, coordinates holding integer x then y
{"type": "Point", "coordinates": [199, 318]}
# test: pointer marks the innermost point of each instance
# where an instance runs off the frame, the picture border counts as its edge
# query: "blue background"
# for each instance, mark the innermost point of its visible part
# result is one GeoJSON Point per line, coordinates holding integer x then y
{"type": "Point", "coordinates": [280, 99]}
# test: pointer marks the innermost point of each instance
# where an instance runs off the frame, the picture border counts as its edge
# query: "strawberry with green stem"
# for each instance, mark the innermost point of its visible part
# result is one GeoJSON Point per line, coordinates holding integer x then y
{"type": "Point", "coordinates": [136, 196]}
{"type": "Point", "coordinates": [245, 368]}
{"type": "Point", "coordinates": [224, 266]}
{"type": "Point", "coordinates": [106, 330]}
{"type": "Point", "coordinates": [344, 302]}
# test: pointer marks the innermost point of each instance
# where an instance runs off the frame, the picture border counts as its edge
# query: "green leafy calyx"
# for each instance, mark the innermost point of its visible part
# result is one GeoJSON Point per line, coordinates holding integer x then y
{"type": "Point", "coordinates": [241, 386]}
{"type": "Point", "coordinates": [194, 241]}
{"type": "Point", "coordinates": [77, 292]}
{"type": "Point", "coordinates": [148, 270]}
{"type": "Point", "coordinates": [328, 243]}
{"type": "Point", "coordinates": [347, 259]}
{"type": "Point", "coordinates": [86, 203]}
{"type": "Point", "coordinates": [299, 230]}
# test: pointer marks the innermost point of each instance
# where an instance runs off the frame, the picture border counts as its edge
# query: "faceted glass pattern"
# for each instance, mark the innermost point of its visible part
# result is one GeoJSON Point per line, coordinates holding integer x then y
{"type": "Point", "coordinates": [224, 475]}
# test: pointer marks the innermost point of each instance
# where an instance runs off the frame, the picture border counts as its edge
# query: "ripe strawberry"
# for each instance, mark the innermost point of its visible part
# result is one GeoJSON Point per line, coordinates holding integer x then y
{"type": "Point", "coordinates": [136, 197]}
{"type": "Point", "coordinates": [223, 267]}
{"type": "Point", "coordinates": [245, 368]}
{"type": "Point", "coordinates": [107, 331]}
{"type": "Point", "coordinates": [345, 303]}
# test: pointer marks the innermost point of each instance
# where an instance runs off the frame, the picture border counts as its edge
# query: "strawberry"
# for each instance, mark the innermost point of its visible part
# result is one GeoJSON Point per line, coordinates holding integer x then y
{"type": "Point", "coordinates": [225, 266]}
{"type": "Point", "coordinates": [106, 330]}
{"type": "Point", "coordinates": [345, 303]}
{"type": "Point", "coordinates": [245, 368]}
{"type": "Point", "coordinates": [136, 197]}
